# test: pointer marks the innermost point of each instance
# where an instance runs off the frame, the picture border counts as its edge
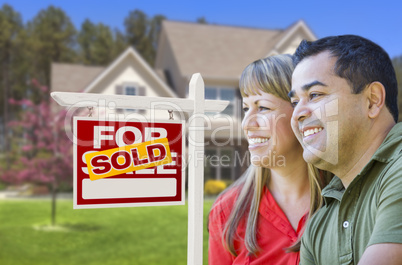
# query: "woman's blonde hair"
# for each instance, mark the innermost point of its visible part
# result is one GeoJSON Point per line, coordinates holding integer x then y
{"type": "Point", "coordinates": [271, 75]}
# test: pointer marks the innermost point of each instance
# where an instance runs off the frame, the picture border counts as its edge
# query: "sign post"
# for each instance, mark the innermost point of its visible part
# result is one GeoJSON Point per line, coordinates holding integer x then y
{"type": "Point", "coordinates": [196, 173]}
{"type": "Point", "coordinates": [196, 104]}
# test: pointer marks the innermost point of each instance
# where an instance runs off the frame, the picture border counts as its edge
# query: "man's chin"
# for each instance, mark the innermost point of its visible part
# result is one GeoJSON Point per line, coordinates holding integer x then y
{"type": "Point", "coordinates": [310, 158]}
{"type": "Point", "coordinates": [321, 160]}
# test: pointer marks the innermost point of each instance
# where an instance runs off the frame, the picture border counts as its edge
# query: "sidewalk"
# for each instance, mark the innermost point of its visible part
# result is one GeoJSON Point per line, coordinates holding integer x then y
{"type": "Point", "coordinates": [15, 195]}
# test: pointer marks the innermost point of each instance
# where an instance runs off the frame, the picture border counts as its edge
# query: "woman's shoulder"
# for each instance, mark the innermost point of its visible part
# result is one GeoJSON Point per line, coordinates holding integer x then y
{"type": "Point", "coordinates": [223, 205]}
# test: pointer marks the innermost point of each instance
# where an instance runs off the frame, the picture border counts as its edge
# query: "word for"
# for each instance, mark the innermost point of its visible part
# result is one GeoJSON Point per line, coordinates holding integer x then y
{"type": "Point", "coordinates": [150, 133]}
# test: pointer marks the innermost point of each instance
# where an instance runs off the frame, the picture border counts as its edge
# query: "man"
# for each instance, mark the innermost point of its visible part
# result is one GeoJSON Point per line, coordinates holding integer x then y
{"type": "Point", "coordinates": [344, 93]}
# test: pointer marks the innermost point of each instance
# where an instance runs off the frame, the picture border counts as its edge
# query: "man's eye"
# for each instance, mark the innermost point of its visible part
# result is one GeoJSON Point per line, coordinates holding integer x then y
{"type": "Point", "coordinates": [245, 109]}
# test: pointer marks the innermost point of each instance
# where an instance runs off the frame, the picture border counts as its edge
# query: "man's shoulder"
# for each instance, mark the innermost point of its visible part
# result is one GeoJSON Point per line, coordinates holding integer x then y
{"type": "Point", "coordinates": [388, 160]}
{"type": "Point", "coordinates": [391, 147]}
{"type": "Point", "coordinates": [395, 165]}
{"type": "Point", "coordinates": [391, 176]}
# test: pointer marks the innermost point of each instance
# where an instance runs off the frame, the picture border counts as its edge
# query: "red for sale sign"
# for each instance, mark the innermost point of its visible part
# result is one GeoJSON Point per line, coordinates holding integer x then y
{"type": "Point", "coordinates": [128, 163]}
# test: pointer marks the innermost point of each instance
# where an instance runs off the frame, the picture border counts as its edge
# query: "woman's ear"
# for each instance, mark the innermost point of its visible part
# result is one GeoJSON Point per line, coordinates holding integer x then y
{"type": "Point", "coordinates": [376, 99]}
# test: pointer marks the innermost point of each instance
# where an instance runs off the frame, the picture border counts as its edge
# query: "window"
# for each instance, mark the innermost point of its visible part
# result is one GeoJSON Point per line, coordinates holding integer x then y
{"type": "Point", "coordinates": [219, 163]}
{"type": "Point", "coordinates": [211, 93]}
{"type": "Point", "coordinates": [221, 93]}
{"type": "Point", "coordinates": [130, 90]}
{"type": "Point", "coordinates": [226, 166]}
{"type": "Point", "coordinates": [210, 169]}
{"type": "Point", "coordinates": [228, 94]}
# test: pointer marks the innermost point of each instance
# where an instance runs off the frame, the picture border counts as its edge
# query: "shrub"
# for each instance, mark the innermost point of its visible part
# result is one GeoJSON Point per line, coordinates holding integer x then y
{"type": "Point", "coordinates": [214, 187]}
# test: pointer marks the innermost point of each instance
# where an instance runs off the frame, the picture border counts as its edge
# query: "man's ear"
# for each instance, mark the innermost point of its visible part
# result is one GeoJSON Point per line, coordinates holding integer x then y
{"type": "Point", "coordinates": [376, 98]}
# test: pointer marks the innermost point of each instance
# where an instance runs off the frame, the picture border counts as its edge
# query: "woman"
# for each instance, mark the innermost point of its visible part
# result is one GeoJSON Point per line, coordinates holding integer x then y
{"type": "Point", "coordinates": [260, 218]}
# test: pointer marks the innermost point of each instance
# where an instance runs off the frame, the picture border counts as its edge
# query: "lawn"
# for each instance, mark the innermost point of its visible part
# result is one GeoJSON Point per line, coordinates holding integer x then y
{"type": "Point", "coordinates": [118, 236]}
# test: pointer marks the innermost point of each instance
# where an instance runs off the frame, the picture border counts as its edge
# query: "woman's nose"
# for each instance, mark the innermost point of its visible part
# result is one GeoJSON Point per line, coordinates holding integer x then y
{"type": "Point", "coordinates": [255, 120]}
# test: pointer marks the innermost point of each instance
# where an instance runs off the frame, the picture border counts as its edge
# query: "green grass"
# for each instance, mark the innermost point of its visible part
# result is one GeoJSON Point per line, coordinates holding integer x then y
{"type": "Point", "coordinates": [135, 236]}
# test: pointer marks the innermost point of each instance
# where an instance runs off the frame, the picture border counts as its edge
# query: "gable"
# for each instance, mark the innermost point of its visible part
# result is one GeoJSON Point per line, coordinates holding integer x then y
{"type": "Point", "coordinates": [130, 68]}
{"type": "Point", "coordinates": [291, 38]}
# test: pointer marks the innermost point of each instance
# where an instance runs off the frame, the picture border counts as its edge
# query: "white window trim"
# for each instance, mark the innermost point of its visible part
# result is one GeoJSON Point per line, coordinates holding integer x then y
{"type": "Point", "coordinates": [218, 93]}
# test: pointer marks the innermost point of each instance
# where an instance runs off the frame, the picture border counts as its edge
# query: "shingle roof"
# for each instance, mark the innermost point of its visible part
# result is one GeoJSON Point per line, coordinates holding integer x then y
{"type": "Point", "coordinates": [215, 50]}
{"type": "Point", "coordinates": [72, 77]}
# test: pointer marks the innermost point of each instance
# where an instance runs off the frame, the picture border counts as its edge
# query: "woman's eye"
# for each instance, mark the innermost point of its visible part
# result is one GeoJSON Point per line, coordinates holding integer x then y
{"type": "Point", "coordinates": [294, 104]}
{"type": "Point", "coordinates": [245, 109]}
{"type": "Point", "coordinates": [314, 95]}
{"type": "Point", "coordinates": [261, 108]}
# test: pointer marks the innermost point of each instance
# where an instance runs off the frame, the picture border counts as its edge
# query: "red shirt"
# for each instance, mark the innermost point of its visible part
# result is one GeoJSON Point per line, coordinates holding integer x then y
{"type": "Point", "coordinates": [275, 234]}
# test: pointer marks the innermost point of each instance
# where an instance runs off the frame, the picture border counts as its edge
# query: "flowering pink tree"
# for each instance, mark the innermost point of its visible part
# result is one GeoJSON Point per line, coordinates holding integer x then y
{"type": "Point", "coordinates": [46, 151]}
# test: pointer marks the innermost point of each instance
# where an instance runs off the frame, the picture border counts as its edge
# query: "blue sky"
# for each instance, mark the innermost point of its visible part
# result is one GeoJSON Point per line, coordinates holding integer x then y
{"type": "Point", "coordinates": [379, 21]}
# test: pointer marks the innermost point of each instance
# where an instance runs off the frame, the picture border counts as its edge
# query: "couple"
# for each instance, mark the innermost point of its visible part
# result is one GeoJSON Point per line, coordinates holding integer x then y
{"type": "Point", "coordinates": [333, 105]}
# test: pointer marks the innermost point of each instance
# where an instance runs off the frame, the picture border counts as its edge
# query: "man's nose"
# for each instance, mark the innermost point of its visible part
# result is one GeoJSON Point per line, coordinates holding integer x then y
{"type": "Point", "coordinates": [301, 112]}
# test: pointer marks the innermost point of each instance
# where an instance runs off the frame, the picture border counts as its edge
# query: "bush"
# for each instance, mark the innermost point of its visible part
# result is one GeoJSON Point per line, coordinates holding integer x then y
{"type": "Point", "coordinates": [214, 187]}
{"type": "Point", "coordinates": [2, 186]}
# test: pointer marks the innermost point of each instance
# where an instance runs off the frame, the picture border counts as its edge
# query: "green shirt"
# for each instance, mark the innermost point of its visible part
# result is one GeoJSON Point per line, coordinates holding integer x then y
{"type": "Point", "coordinates": [368, 212]}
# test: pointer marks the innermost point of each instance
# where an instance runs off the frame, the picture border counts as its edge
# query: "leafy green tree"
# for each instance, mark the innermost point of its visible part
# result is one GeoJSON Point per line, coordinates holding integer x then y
{"type": "Point", "coordinates": [154, 31]}
{"type": "Point", "coordinates": [120, 43]}
{"type": "Point", "coordinates": [85, 38]}
{"type": "Point", "coordinates": [397, 62]}
{"type": "Point", "coordinates": [52, 39]}
{"type": "Point", "coordinates": [12, 69]}
{"type": "Point", "coordinates": [96, 43]}
{"type": "Point", "coordinates": [142, 33]}
{"type": "Point", "coordinates": [103, 46]}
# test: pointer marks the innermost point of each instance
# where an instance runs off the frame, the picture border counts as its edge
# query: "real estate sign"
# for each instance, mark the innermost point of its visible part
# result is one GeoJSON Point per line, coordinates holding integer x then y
{"type": "Point", "coordinates": [128, 163]}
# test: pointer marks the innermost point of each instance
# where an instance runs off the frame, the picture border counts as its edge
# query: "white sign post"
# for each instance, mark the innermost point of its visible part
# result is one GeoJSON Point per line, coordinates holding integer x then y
{"type": "Point", "coordinates": [196, 104]}
{"type": "Point", "coordinates": [196, 173]}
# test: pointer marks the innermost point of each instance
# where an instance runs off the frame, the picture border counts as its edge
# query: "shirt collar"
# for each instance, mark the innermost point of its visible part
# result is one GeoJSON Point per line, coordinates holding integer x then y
{"type": "Point", "coordinates": [334, 190]}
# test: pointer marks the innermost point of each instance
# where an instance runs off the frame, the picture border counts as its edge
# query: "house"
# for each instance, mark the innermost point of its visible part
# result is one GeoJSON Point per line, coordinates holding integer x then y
{"type": "Point", "coordinates": [219, 53]}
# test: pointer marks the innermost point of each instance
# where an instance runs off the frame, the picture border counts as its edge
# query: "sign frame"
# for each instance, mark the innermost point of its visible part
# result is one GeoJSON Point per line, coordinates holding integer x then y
{"type": "Point", "coordinates": [195, 103]}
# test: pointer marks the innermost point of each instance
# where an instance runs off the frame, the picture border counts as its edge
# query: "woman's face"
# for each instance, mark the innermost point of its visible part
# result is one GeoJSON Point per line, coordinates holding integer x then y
{"type": "Point", "coordinates": [266, 125]}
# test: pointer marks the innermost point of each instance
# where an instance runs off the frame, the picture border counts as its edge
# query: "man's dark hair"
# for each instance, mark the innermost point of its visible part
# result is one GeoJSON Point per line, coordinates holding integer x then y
{"type": "Point", "coordinates": [359, 61]}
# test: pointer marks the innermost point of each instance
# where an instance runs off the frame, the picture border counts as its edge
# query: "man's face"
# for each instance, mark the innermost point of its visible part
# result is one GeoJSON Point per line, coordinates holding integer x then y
{"type": "Point", "coordinates": [327, 119]}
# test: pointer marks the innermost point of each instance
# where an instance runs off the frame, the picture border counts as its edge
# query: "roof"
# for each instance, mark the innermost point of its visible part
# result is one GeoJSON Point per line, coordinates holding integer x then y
{"type": "Point", "coordinates": [72, 77]}
{"type": "Point", "coordinates": [225, 50]}
{"type": "Point", "coordinates": [80, 78]}
{"type": "Point", "coordinates": [290, 32]}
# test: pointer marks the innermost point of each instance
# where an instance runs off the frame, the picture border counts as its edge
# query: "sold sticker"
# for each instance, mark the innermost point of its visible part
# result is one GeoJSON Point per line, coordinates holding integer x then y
{"type": "Point", "coordinates": [129, 158]}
